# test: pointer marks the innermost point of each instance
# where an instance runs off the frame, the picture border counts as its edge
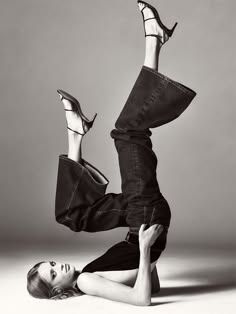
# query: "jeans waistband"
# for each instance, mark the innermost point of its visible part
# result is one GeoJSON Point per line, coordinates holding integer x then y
{"type": "Point", "coordinates": [132, 237]}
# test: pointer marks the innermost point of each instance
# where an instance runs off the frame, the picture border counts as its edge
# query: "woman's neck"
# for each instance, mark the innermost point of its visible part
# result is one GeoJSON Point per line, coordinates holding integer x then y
{"type": "Point", "coordinates": [76, 275]}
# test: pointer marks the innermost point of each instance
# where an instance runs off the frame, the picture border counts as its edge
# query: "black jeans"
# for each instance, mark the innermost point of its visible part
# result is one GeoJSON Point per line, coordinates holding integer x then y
{"type": "Point", "coordinates": [81, 202]}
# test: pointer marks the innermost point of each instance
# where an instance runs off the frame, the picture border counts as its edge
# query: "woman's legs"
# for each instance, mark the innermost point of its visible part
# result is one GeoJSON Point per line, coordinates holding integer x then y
{"type": "Point", "coordinates": [152, 51]}
{"type": "Point", "coordinates": [74, 146]}
{"type": "Point", "coordinates": [152, 44]}
{"type": "Point", "coordinates": [151, 59]}
{"type": "Point", "coordinates": [154, 100]}
{"type": "Point", "coordinates": [118, 201]}
{"type": "Point", "coordinates": [81, 202]}
{"type": "Point", "coordinates": [74, 139]}
{"type": "Point", "coordinates": [137, 160]}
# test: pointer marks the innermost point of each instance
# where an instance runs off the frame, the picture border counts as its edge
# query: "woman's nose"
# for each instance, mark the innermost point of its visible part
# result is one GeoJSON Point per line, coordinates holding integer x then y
{"type": "Point", "coordinates": [57, 267]}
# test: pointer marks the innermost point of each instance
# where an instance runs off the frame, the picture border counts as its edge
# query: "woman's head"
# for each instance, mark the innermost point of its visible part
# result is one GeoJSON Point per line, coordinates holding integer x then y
{"type": "Point", "coordinates": [52, 280]}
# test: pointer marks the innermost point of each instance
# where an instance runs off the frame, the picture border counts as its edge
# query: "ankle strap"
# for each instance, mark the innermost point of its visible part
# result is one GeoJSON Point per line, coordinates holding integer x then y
{"type": "Point", "coordinates": [157, 36]}
{"type": "Point", "coordinates": [150, 18]}
{"type": "Point", "coordinates": [75, 131]}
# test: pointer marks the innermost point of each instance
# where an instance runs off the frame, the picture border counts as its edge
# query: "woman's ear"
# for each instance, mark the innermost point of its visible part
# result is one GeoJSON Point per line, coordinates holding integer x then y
{"type": "Point", "coordinates": [57, 290]}
{"type": "Point", "coordinates": [58, 294]}
{"type": "Point", "coordinates": [62, 296]}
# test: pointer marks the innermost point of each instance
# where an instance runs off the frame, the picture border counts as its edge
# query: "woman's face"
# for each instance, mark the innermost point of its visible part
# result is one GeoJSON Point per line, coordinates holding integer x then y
{"type": "Point", "coordinates": [57, 274]}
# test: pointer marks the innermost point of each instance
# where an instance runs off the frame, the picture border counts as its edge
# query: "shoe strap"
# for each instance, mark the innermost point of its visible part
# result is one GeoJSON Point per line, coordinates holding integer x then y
{"type": "Point", "coordinates": [150, 18]}
{"type": "Point", "coordinates": [154, 35]}
{"type": "Point", "coordinates": [75, 131]}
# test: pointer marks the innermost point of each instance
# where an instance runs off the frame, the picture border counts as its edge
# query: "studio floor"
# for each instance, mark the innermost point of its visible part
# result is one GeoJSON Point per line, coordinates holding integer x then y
{"type": "Point", "coordinates": [192, 280]}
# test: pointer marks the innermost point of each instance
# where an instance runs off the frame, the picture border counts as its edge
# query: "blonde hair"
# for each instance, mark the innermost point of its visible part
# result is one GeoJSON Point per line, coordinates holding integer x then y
{"type": "Point", "coordinates": [39, 288]}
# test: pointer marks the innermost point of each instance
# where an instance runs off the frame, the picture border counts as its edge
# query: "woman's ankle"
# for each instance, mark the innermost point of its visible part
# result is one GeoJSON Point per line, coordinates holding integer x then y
{"type": "Point", "coordinates": [74, 146]}
{"type": "Point", "coordinates": [150, 63]}
{"type": "Point", "coordinates": [152, 51]}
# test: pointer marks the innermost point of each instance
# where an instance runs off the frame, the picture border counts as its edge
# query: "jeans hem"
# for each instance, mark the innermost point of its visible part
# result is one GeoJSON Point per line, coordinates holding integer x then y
{"type": "Point", "coordinates": [182, 87]}
{"type": "Point", "coordinates": [82, 167]}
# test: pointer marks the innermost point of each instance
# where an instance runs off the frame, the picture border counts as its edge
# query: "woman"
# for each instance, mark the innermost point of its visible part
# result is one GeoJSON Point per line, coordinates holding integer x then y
{"type": "Point", "coordinates": [127, 271]}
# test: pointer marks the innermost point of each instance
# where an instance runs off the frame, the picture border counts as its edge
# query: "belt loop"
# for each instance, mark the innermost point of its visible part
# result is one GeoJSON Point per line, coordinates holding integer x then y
{"type": "Point", "coordinates": [127, 236]}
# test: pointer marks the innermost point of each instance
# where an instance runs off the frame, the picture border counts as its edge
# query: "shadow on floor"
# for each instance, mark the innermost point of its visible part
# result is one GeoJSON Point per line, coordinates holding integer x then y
{"type": "Point", "coordinates": [191, 290]}
{"type": "Point", "coordinates": [216, 279]}
{"type": "Point", "coordinates": [162, 303]}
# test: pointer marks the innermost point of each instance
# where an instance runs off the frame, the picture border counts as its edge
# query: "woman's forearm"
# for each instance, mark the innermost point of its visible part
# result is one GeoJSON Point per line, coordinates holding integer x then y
{"type": "Point", "coordinates": [143, 282]}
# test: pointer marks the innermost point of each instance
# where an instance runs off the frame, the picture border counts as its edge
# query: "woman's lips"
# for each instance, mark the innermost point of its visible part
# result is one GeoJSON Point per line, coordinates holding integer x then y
{"type": "Point", "coordinates": [67, 267]}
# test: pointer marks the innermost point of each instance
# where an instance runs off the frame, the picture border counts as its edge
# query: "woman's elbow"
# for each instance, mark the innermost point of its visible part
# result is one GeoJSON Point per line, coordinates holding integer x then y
{"type": "Point", "coordinates": [144, 302]}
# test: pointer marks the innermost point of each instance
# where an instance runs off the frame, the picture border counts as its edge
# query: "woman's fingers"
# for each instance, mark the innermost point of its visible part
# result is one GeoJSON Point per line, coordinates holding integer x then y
{"type": "Point", "coordinates": [156, 228]}
{"type": "Point", "coordinates": [142, 227]}
{"type": "Point", "coordinates": [160, 228]}
{"type": "Point", "coordinates": [147, 237]}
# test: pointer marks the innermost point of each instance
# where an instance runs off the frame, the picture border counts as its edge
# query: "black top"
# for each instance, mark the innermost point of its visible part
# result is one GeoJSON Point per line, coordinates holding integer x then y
{"type": "Point", "coordinates": [123, 256]}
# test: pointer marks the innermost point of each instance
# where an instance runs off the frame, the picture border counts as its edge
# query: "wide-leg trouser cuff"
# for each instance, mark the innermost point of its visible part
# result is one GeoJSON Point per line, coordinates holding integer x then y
{"type": "Point", "coordinates": [154, 100]}
{"type": "Point", "coordinates": [79, 184]}
{"type": "Point", "coordinates": [93, 174]}
{"type": "Point", "coordinates": [183, 88]}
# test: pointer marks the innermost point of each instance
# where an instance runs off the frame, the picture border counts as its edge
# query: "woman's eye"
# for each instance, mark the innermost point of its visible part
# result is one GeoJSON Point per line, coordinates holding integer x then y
{"type": "Point", "coordinates": [54, 275]}
{"type": "Point", "coordinates": [52, 263]}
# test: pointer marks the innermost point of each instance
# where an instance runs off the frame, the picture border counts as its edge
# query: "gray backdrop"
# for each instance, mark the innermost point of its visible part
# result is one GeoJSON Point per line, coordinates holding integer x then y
{"type": "Point", "coordinates": [94, 50]}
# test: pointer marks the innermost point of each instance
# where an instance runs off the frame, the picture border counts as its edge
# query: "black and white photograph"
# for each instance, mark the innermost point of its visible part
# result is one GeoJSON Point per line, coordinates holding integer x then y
{"type": "Point", "coordinates": [118, 156]}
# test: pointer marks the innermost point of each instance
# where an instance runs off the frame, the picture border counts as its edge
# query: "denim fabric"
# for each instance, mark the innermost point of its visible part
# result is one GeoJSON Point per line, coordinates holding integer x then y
{"type": "Point", "coordinates": [82, 203]}
{"type": "Point", "coordinates": [154, 100]}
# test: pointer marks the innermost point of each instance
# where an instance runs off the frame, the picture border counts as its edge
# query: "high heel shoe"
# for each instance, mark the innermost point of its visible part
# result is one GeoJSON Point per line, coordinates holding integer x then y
{"type": "Point", "coordinates": [168, 31]}
{"type": "Point", "coordinates": [86, 123]}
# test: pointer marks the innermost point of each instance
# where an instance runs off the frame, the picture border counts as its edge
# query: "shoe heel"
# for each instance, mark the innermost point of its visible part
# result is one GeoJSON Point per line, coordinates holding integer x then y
{"type": "Point", "coordinates": [90, 123]}
{"type": "Point", "coordinates": [171, 31]}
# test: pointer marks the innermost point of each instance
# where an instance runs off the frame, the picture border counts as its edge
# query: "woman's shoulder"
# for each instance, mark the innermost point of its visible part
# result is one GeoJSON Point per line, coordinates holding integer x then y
{"type": "Point", "coordinates": [78, 281]}
{"type": "Point", "coordinates": [86, 281]}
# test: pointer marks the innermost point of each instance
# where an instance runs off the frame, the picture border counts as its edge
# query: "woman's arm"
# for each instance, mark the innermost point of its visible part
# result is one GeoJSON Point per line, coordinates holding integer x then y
{"type": "Point", "coordinates": [140, 294]}
{"type": "Point", "coordinates": [93, 284]}
{"type": "Point", "coordinates": [143, 284]}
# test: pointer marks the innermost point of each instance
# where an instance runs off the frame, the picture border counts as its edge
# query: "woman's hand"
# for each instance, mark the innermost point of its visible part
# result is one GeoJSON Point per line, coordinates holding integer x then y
{"type": "Point", "coordinates": [148, 237]}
